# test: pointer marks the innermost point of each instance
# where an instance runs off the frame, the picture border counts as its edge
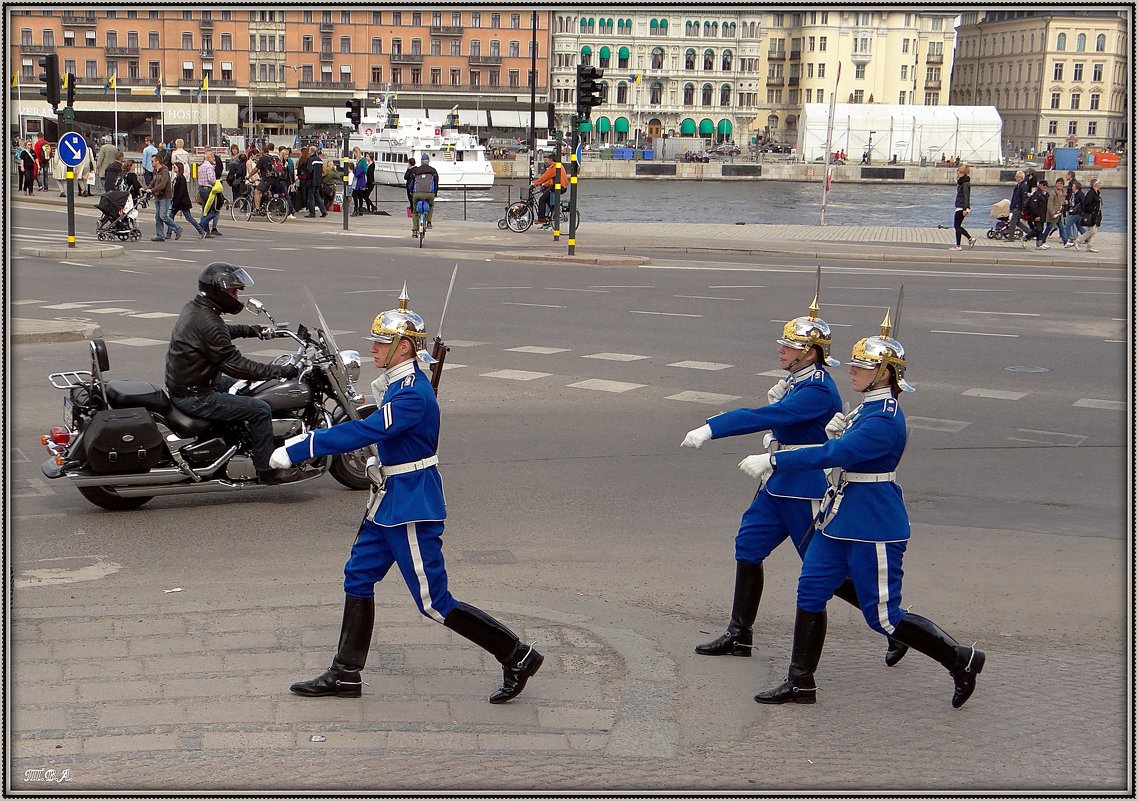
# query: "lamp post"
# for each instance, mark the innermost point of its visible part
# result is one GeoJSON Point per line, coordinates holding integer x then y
{"type": "Point", "coordinates": [869, 149]}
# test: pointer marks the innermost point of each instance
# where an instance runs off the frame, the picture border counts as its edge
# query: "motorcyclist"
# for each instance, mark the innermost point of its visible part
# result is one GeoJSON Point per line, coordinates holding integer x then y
{"type": "Point", "coordinates": [203, 363]}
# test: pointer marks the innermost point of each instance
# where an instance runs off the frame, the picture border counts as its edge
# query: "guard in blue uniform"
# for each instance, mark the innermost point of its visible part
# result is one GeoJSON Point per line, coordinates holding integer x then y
{"type": "Point", "coordinates": [799, 407]}
{"type": "Point", "coordinates": [863, 527]}
{"type": "Point", "coordinates": [404, 521]}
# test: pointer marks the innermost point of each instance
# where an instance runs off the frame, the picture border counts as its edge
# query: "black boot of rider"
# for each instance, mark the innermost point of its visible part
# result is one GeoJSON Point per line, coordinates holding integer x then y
{"type": "Point", "coordinates": [278, 475]}
{"type": "Point", "coordinates": [343, 678]}
{"type": "Point", "coordinates": [962, 662]}
{"type": "Point", "coordinates": [519, 661]}
{"type": "Point", "coordinates": [895, 650]}
{"type": "Point", "coordinates": [737, 640]}
{"type": "Point", "coordinates": [809, 637]}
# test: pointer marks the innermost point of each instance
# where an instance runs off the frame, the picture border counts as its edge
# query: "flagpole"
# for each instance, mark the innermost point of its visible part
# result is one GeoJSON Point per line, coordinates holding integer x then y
{"type": "Point", "coordinates": [116, 87]}
{"type": "Point", "coordinates": [19, 110]}
{"type": "Point", "coordinates": [162, 107]}
{"type": "Point", "coordinates": [207, 116]}
{"type": "Point", "coordinates": [829, 155]}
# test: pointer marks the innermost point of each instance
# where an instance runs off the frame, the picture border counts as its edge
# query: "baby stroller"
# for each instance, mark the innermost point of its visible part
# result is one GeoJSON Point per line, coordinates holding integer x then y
{"type": "Point", "coordinates": [120, 217]}
{"type": "Point", "coordinates": [1001, 212]}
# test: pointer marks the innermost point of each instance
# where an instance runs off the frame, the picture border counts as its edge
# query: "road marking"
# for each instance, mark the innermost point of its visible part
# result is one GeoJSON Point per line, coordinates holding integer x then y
{"type": "Point", "coordinates": [1053, 438]}
{"type": "Point", "coordinates": [1114, 340]}
{"type": "Point", "coordinates": [363, 291]}
{"type": "Point", "coordinates": [140, 341]}
{"type": "Point", "coordinates": [981, 290]}
{"type": "Point", "coordinates": [171, 258]}
{"type": "Point", "coordinates": [537, 349]}
{"type": "Point", "coordinates": [1009, 314]}
{"type": "Point", "coordinates": [1092, 403]}
{"type": "Point", "coordinates": [135, 272]}
{"type": "Point", "coordinates": [972, 333]}
{"type": "Point", "coordinates": [616, 357]}
{"type": "Point", "coordinates": [705, 297]}
{"type": "Point", "coordinates": [606, 386]}
{"type": "Point", "coordinates": [24, 302]}
{"type": "Point", "coordinates": [738, 286]}
{"type": "Point", "coordinates": [1118, 319]}
{"type": "Point", "coordinates": [516, 375]}
{"type": "Point", "coordinates": [691, 365]}
{"type": "Point", "coordinates": [98, 568]}
{"type": "Point", "coordinates": [865, 288]}
{"type": "Point", "coordinates": [538, 305]}
{"type": "Point", "coordinates": [452, 365]}
{"type": "Point", "coordinates": [857, 305]}
{"type": "Point", "coordinates": [1088, 292]}
{"type": "Point", "coordinates": [703, 397]}
{"type": "Point", "coordinates": [622, 286]}
{"type": "Point", "coordinates": [573, 289]}
{"type": "Point", "coordinates": [999, 394]}
{"type": "Point", "coordinates": [664, 314]}
{"type": "Point", "coordinates": [501, 287]}
{"type": "Point", "coordinates": [153, 315]}
{"type": "Point", "coordinates": [75, 263]}
{"type": "Point", "coordinates": [112, 310]}
{"type": "Point", "coordinates": [84, 304]}
{"type": "Point", "coordinates": [936, 424]}
{"type": "Point", "coordinates": [464, 343]}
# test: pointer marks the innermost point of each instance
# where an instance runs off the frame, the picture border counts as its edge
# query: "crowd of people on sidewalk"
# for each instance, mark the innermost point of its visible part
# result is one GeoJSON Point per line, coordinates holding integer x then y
{"type": "Point", "coordinates": [1038, 210]}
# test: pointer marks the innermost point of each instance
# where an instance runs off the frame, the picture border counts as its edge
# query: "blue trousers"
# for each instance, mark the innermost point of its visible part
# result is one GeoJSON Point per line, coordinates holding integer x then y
{"type": "Point", "coordinates": [222, 407]}
{"type": "Point", "coordinates": [768, 522]}
{"type": "Point", "coordinates": [418, 550]}
{"type": "Point", "coordinates": [875, 568]}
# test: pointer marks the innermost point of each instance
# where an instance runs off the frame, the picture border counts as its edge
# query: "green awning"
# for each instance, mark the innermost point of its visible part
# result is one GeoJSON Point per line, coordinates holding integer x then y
{"type": "Point", "coordinates": [664, 24]}
{"type": "Point", "coordinates": [603, 125]}
{"type": "Point", "coordinates": [687, 127]}
{"type": "Point", "coordinates": [725, 127]}
{"type": "Point", "coordinates": [605, 52]}
{"type": "Point", "coordinates": [624, 52]}
{"type": "Point", "coordinates": [706, 127]}
{"type": "Point", "coordinates": [622, 125]}
{"type": "Point", "coordinates": [586, 51]}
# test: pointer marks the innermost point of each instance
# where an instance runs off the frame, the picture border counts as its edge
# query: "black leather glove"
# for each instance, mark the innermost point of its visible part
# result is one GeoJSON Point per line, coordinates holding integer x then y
{"type": "Point", "coordinates": [288, 371]}
{"type": "Point", "coordinates": [257, 331]}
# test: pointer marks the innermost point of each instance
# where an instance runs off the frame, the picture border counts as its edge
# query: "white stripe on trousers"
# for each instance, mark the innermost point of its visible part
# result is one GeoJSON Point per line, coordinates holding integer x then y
{"type": "Point", "coordinates": [420, 573]}
{"type": "Point", "coordinates": [883, 587]}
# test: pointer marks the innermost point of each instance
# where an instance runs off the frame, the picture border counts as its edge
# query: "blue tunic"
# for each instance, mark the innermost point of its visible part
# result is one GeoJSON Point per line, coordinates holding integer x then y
{"type": "Point", "coordinates": [798, 418]}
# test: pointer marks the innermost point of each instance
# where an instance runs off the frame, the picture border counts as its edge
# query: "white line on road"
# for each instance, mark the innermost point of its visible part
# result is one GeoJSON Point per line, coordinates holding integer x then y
{"type": "Point", "coordinates": [362, 291]}
{"type": "Point", "coordinates": [153, 315]}
{"type": "Point", "coordinates": [537, 349]}
{"type": "Point", "coordinates": [622, 286]}
{"type": "Point", "coordinates": [574, 289]}
{"type": "Point", "coordinates": [705, 297]}
{"type": "Point", "coordinates": [140, 342]}
{"type": "Point", "coordinates": [616, 357]}
{"type": "Point", "coordinates": [1114, 341]}
{"type": "Point", "coordinates": [774, 373]}
{"type": "Point", "coordinates": [24, 302]}
{"type": "Point", "coordinates": [112, 310]}
{"type": "Point", "coordinates": [1087, 292]}
{"type": "Point", "coordinates": [538, 305]}
{"type": "Point", "coordinates": [464, 343]}
{"type": "Point", "coordinates": [865, 288]}
{"type": "Point", "coordinates": [936, 424]}
{"type": "Point", "coordinates": [1092, 403]}
{"type": "Point", "coordinates": [737, 286]}
{"type": "Point", "coordinates": [601, 385]}
{"type": "Point", "coordinates": [664, 314]}
{"type": "Point", "coordinates": [135, 272]}
{"type": "Point", "coordinates": [703, 397]}
{"type": "Point", "coordinates": [501, 287]}
{"type": "Point", "coordinates": [1009, 314]}
{"type": "Point", "coordinates": [516, 375]}
{"type": "Point", "coordinates": [171, 258]}
{"type": "Point", "coordinates": [75, 263]}
{"type": "Point", "coordinates": [1073, 440]}
{"type": "Point", "coordinates": [691, 365]}
{"type": "Point", "coordinates": [980, 290]}
{"type": "Point", "coordinates": [999, 394]}
{"type": "Point", "coordinates": [973, 333]}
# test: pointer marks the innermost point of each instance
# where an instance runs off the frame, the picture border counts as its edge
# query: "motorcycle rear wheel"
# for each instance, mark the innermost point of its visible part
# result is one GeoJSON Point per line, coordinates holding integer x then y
{"type": "Point", "coordinates": [105, 499]}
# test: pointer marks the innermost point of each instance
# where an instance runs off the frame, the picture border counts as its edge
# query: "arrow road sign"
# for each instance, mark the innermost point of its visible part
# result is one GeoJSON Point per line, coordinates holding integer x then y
{"type": "Point", "coordinates": [72, 149]}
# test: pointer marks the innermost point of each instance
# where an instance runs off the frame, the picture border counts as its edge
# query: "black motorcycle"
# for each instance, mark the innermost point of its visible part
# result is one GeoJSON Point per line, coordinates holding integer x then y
{"type": "Point", "coordinates": [124, 442]}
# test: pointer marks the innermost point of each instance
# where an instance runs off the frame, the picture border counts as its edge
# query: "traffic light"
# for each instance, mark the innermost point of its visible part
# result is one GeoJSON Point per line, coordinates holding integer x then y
{"type": "Point", "coordinates": [70, 89]}
{"type": "Point", "coordinates": [355, 112]}
{"type": "Point", "coordinates": [50, 77]}
{"type": "Point", "coordinates": [588, 90]}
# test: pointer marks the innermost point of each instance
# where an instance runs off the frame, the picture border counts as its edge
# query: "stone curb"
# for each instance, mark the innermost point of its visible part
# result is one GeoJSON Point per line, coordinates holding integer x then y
{"type": "Point", "coordinates": [38, 332]}
{"type": "Point", "coordinates": [81, 251]}
{"type": "Point", "coordinates": [602, 260]}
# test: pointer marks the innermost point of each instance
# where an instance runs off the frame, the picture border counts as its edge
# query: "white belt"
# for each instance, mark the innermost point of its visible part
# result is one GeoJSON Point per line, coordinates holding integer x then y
{"type": "Point", "coordinates": [869, 478]}
{"type": "Point", "coordinates": [409, 467]}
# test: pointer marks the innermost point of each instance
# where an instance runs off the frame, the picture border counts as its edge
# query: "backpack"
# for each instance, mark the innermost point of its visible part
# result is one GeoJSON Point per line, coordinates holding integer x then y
{"type": "Point", "coordinates": [277, 170]}
{"type": "Point", "coordinates": [423, 182]}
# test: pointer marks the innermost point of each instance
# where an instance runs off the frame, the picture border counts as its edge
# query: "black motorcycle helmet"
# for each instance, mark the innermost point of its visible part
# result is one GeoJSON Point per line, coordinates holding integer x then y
{"type": "Point", "coordinates": [220, 282]}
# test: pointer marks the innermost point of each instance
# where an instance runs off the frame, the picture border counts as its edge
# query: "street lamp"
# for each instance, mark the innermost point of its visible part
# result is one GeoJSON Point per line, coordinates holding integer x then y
{"type": "Point", "coordinates": [869, 148]}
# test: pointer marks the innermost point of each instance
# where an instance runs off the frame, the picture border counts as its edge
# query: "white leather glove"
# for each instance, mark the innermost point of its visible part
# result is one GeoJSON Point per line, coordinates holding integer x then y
{"type": "Point", "coordinates": [696, 437]}
{"type": "Point", "coordinates": [280, 459]}
{"type": "Point", "coordinates": [836, 426]}
{"type": "Point", "coordinates": [775, 393]}
{"type": "Point", "coordinates": [757, 466]}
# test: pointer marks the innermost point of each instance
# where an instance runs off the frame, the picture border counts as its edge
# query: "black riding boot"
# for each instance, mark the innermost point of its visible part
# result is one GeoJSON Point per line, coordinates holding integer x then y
{"type": "Point", "coordinates": [519, 661]}
{"type": "Point", "coordinates": [896, 650]}
{"type": "Point", "coordinates": [963, 662]}
{"type": "Point", "coordinates": [737, 640]}
{"type": "Point", "coordinates": [809, 637]}
{"type": "Point", "coordinates": [343, 678]}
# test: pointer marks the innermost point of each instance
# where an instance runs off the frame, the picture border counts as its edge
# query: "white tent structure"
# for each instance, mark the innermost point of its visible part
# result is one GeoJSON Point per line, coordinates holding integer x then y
{"type": "Point", "coordinates": [907, 132]}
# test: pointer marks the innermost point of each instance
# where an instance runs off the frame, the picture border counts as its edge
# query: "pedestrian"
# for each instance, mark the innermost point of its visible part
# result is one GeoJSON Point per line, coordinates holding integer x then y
{"type": "Point", "coordinates": [114, 174]}
{"type": "Point", "coordinates": [302, 177]}
{"type": "Point", "coordinates": [963, 206]}
{"type": "Point", "coordinates": [163, 190]}
{"type": "Point", "coordinates": [1034, 211]}
{"type": "Point", "coordinates": [181, 201]}
{"type": "Point", "coordinates": [1073, 220]}
{"type": "Point", "coordinates": [85, 175]}
{"type": "Point", "coordinates": [358, 182]}
{"type": "Point", "coordinates": [287, 179]}
{"type": "Point", "coordinates": [1055, 201]}
{"type": "Point", "coordinates": [106, 155]}
{"type": "Point", "coordinates": [128, 180]}
{"type": "Point", "coordinates": [42, 149]}
{"type": "Point", "coordinates": [315, 184]}
{"type": "Point", "coordinates": [59, 172]}
{"type": "Point", "coordinates": [863, 528]}
{"type": "Point", "coordinates": [211, 210]}
{"type": "Point", "coordinates": [405, 519]}
{"type": "Point", "coordinates": [207, 178]}
{"type": "Point", "coordinates": [237, 173]}
{"type": "Point", "coordinates": [798, 408]}
{"type": "Point", "coordinates": [332, 182]}
{"type": "Point", "coordinates": [1019, 193]}
{"type": "Point", "coordinates": [368, 199]}
{"type": "Point", "coordinates": [26, 159]}
{"type": "Point", "coordinates": [148, 151]}
{"type": "Point", "coordinates": [179, 155]}
{"type": "Point", "coordinates": [1090, 216]}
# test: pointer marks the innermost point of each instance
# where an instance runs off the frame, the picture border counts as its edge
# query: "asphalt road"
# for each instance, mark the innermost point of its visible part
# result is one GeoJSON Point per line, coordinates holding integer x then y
{"type": "Point", "coordinates": [568, 391]}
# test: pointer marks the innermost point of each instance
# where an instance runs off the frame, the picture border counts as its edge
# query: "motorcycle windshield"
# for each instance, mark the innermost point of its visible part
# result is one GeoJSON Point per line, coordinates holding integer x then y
{"type": "Point", "coordinates": [335, 367]}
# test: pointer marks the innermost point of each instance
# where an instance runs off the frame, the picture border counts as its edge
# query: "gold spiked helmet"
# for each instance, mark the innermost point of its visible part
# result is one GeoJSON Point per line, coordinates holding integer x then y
{"type": "Point", "coordinates": [803, 333]}
{"type": "Point", "coordinates": [391, 326]}
{"type": "Point", "coordinates": [881, 351]}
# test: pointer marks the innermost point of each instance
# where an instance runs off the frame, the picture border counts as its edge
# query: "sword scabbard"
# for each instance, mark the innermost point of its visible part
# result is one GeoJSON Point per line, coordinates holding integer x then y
{"type": "Point", "coordinates": [439, 354]}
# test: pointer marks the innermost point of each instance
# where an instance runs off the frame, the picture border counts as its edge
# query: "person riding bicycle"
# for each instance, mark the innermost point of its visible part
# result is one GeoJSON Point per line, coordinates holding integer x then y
{"type": "Point", "coordinates": [266, 175]}
{"type": "Point", "coordinates": [546, 181]}
{"type": "Point", "coordinates": [424, 186]}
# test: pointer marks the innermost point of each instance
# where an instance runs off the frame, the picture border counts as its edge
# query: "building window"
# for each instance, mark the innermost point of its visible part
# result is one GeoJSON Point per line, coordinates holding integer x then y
{"type": "Point", "coordinates": [1096, 73]}
{"type": "Point", "coordinates": [1094, 101]}
{"type": "Point", "coordinates": [456, 19]}
{"type": "Point", "coordinates": [345, 44]}
{"type": "Point", "coordinates": [345, 17]}
{"type": "Point", "coordinates": [904, 72]}
{"type": "Point", "coordinates": [495, 48]}
{"type": "Point", "coordinates": [306, 44]}
{"type": "Point", "coordinates": [821, 70]}
{"type": "Point", "coordinates": [859, 96]}
{"type": "Point", "coordinates": [475, 48]}
{"type": "Point", "coordinates": [475, 20]}
{"type": "Point", "coordinates": [859, 72]}
{"type": "Point", "coordinates": [396, 46]}
{"type": "Point", "coordinates": [396, 17]}
{"type": "Point", "coordinates": [1054, 100]}
{"type": "Point", "coordinates": [456, 47]}
{"type": "Point", "coordinates": [810, 70]}
{"type": "Point", "coordinates": [88, 38]}
{"type": "Point", "coordinates": [1059, 71]}
{"type": "Point", "coordinates": [1061, 42]}
{"type": "Point", "coordinates": [515, 49]}
{"type": "Point", "coordinates": [416, 19]}
{"type": "Point", "coordinates": [226, 41]}
{"type": "Point", "coordinates": [689, 94]}
{"type": "Point", "coordinates": [1074, 100]}
{"type": "Point", "coordinates": [932, 98]}
{"type": "Point", "coordinates": [187, 41]}
{"type": "Point", "coordinates": [1053, 127]}
{"type": "Point", "coordinates": [151, 40]}
{"type": "Point", "coordinates": [822, 41]}
{"type": "Point", "coordinates": [377, 74]}
{"type": "Point", "coordinates": [456, 77]}
{"type": "Point", "coordinates": [1092, 128]}
{"type": "Point", "coordinates": [1072, 128]}
{"type": "Point", "coordinates": [515, 79]}
{"type": "Point", "coordinates": [376, 18]}
{"type": "Point", "coordinates": [307, 17]}
{"type": "Point", "coordinates": [810, 43]}
{"type": "Point", "coordinates": [496, 21]}
{"type": "Point", "coordinates": [91, 68]}
{"type": "Point", "coordinates": [900, 98]}
{"type": "Point", "coordinates": [1077, 75]}
{"type": "Point", "coordinates": [515, 20]}
{"type": "Point", "coordinates": [436, 47]}
{"type": "Point", "coordinates": [475, 79]}
{"type": "Point", "coordinates": [1081, 43]}
{"type": "Point", "coordinates": [1100, 44]}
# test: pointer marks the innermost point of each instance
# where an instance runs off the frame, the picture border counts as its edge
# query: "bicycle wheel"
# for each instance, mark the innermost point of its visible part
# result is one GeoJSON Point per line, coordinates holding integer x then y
{"type": "Point", "coordinates": [241, 209]}
{"type": "Point", "coordinates": [519, 217]}
{"type": "Point", "coordinates": [276, 209]}
{"type": "Point", "coordinates": [422, 228]}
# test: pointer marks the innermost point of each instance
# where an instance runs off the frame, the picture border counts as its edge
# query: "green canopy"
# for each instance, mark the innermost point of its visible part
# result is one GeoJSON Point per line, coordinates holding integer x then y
{"type": "Point", "coordinates": [603, 125]}
{"type": "Point", "coordinates": [706, 127]}
{"type": "Point", "coordinates": [664, 24]}
{"type": "Point", "coordinates": [725, 127]}
{"type": "Point", "coordinates": [624, 52]}
{"type": "Point", "coordinates": [687, 127]}
{"type": "Point", "coordinates": [622, 125]}
{"type": "Point", "coordinates": [586, 51]}
{"type": "Point", "coordinates": [605, 52]}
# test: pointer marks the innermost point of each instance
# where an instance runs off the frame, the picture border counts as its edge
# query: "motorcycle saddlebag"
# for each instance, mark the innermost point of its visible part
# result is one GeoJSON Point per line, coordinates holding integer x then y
{"type": "Point", "coordinates": [122, 441]}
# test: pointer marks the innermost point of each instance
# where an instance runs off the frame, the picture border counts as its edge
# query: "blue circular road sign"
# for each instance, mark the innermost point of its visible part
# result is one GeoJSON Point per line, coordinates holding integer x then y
{"type": "Point", "coordinates": [72, 149]}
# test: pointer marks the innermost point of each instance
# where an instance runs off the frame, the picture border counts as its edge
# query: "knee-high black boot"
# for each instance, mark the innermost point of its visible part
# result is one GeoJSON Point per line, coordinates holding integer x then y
{"type": "Point", "coordinates": [896, 649]}
{"type": "Point", "coordinates": [738, 638]}
{"type": "Point", "coordinates": [343, 678]}
{"type": "Point", "coordinates": [809, 637]}
{"type": "Point", "coordinates": [964, 663]}
{"type": "Point", "coordinates": [519, 661]}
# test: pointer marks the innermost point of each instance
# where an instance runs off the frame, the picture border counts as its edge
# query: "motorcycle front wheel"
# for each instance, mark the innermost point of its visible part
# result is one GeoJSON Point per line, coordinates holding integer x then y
{"type": "Point", "coordinates": [105, 499]}
{"type": "Point", "coordinates": [350, 469]}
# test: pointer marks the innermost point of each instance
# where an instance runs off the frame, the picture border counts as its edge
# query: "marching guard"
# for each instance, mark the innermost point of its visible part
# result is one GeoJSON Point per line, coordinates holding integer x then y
{"type": "Point", "coordinates": [863, 527]}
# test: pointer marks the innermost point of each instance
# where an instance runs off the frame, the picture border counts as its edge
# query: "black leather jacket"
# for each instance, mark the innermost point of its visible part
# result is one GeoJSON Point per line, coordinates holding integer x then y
{"type": "Point", "coordinates": [201, 347]}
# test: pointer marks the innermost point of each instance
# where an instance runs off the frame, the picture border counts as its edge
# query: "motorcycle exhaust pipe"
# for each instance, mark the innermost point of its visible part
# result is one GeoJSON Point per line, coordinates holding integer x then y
{"type": "Point", "coordinates": [155, 477]}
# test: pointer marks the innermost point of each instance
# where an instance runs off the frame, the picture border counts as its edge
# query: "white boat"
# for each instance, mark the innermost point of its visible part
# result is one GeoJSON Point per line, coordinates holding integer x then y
{"type": "Point", "coordinates": [461, 162]}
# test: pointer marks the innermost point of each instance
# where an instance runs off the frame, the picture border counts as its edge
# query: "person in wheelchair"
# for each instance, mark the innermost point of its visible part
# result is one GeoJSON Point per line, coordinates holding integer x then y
{"type": "Point", "coordinates": [424, 186]}
{"type": "Point", "coordinates": [545, 182]}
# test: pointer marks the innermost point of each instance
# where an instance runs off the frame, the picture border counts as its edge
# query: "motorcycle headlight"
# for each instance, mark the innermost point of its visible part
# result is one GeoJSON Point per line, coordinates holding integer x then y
{"type": "Point", "coordinates": [351, 361]}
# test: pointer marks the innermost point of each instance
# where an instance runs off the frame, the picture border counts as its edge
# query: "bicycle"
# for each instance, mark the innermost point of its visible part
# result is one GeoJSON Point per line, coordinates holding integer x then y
{"type": "Point", "coordinates": [273, 207]}
{"type": "Point", "coordinates": [521, 214]}
{"type": "Point", "coordinates": [422, 208]}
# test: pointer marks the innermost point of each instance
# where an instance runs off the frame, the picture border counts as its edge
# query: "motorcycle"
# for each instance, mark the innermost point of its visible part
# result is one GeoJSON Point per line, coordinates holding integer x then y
{"type": "Point", "coordinates": [124, 442]}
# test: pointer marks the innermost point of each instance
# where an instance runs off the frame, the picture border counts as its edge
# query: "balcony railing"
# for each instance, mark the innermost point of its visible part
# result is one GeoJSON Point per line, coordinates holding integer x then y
{"type": "Point", "coordinates": [445, 88]}
{"type": "Point", "coordinates": [326, 85]}
{"type": "Point", "coordinates": [774, 81]}
{"type": "Point", "coordinates": [931, 84]}
{"type": "Point", "coordinates": [792, 80]}
{"type": "Point", "coordinates": [206, 52]}
{"type": "Point", "coordinates": [121, 51]}
{"type": "Point", "coordinates": [446, 30]}
{"type": "Point", "coordinates": [326, 27]}
{"type": "Point", "coordinates": [406, 58]}
{"type": "Point", "coordinates": [776, 55]}
{"type": "Point", "coordinates": [205, 25]}
{"type": "Point", "coordinates": [32, 48]}
{"type": "Point", "coordinates": [795, 55]}
{"type": "Point", "coordinates": [485, 59]}
{"type": "Point", "coordinates": [327, 55]}
{"type": "Point", "coordinates": [69, 20]}
{"type": "Point", "coordinates": [934, 58]}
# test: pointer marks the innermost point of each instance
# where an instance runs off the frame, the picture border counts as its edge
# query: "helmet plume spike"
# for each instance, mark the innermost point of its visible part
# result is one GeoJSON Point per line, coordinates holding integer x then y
{"type": "Point", "coordinates": [814, 308]}
{"type": "Point", "coordinates": [886, 325]}
{"type": "Point", "coordinates": [404, 298]}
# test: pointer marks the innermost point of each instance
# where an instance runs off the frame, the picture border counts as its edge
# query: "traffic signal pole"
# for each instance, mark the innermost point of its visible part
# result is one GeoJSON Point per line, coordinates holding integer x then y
{"type": "Point", "coordinates": [573, 169]}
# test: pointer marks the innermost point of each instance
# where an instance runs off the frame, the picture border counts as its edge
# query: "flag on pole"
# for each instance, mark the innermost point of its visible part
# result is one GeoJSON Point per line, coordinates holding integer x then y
{"type": "Point", "coordinates": [15, 80]}
{"type": "Point", "coordinates": [63, 79]}
{"type": "Point", "coordinates": [204, 87]}
{"type": "Point", "coordinates": [158, 87]}
{"type": "Point", "coordinates": [112, 83]}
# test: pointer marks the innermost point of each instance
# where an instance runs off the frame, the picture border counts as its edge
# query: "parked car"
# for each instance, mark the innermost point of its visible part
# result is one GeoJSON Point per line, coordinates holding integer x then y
{"type": "Point", "coordinates": [511, 145]}
{"type": "Point", "coordinates": [726, 149]}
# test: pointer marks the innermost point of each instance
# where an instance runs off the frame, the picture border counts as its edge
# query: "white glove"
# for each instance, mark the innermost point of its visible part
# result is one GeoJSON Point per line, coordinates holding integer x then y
{"type": "Point", "coordinates": [836, 426]}
{"type": "Point", "coordinates": [696, 437]}
{"type": "Point", "coordinates": [280, 459]}
{"type": "Point", "coordinates": [775, 393]}
{"type": "Point", "coordinates": [757, 466]}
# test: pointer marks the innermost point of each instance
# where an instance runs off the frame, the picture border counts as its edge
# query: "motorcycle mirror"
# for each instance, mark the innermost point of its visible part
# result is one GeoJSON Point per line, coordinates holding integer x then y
{"type": "Point", "coordinates": [255, 306]}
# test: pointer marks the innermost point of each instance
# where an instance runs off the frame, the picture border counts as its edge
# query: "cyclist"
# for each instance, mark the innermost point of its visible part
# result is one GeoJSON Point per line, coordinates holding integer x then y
{"type": "Point", "coordinates": [546, 181]}
{"type": "Point", "coordinates": [424, 186]}
{"type": "Point", "coordinates": [266, 174]}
